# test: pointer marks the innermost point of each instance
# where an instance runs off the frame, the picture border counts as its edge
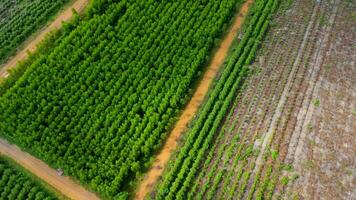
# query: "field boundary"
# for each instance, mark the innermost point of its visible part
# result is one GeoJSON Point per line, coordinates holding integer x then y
{"type": "Point", "coordinates": [63, 184]}
{"type": "Point", "coordinates": [36, 167]}
{"type": "Point", "coordinates": [31, 46]}
{"type": "Point", "coordinates": [191, 109]}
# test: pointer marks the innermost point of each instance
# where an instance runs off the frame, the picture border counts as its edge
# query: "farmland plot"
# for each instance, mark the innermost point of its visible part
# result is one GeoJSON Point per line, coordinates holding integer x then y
{"type": "Point", "coordinates": [322, 150]}
{"type": "Point", "coordinates": [261, 150]}
{"type": "Point", "coordinates": [180, 179]}
{"type": "Point", "coordinates": [19, 19]}
{"type": "Point", "coordinates": [101, 101]}
{"type": "Point", "coordinates": [16, 184]}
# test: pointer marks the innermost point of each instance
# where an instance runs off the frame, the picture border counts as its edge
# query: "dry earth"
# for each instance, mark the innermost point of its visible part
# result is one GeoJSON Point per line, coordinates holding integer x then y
{"type": "Point", "coordinates": [325, 157]}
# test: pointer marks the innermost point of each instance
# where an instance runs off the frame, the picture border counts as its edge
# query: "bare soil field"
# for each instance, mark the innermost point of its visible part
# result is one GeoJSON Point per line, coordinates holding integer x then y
{"type": "Point", "coordinates": [291, 132]}
{"type": "Point", "coordinates": [322, 149]}
{"type": "Point", "coordinates": [163, 157]}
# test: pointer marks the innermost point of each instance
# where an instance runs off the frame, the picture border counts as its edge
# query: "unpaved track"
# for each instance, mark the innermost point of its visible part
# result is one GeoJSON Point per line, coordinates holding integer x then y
{"type": "Point", "coordinates": [162, 158]}
{"type": "Point", "coordinates": [65, 15]}
{"type": "Point", "coordinates": [61, 183]}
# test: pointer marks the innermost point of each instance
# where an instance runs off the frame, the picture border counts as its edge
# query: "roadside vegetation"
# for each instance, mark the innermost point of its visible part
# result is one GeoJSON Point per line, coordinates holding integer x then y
{"type": "Point", "coordinates": [20, 19]}
{"type": "Point", "coordinates": [16, 183]}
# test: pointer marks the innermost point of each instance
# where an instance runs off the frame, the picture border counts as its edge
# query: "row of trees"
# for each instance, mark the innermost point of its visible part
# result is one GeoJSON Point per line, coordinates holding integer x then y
{"type": "Point", "coordinates": [15, 184]}
{"type": "Point", "coordinates": [100, 103]}
{"type": "Point", "coordinates": [19, 19]}
{"type": "Point", "coordinates": [177, 181]}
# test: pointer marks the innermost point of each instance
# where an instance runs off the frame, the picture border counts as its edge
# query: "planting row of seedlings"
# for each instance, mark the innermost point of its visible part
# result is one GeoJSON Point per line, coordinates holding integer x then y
{"type": "Point", "coordinates": [270, 164]}
{"type": "Point", "coordinates": [301, 100]}
{"type": "Point", "coordinates": [183, 169]}
{"type": "Point", "coordinates": [240, 180]}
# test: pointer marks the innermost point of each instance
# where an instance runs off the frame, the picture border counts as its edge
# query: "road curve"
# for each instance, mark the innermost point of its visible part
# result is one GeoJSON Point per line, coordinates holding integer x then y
{"type": "Point", "coordinates": [63, 184]}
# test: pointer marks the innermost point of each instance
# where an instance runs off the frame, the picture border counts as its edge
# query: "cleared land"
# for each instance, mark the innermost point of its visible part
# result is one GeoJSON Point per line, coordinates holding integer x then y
{"type": "Point", "coordinates": [322, 147]}
{"type": "Point", "coordinates": [189, 112]}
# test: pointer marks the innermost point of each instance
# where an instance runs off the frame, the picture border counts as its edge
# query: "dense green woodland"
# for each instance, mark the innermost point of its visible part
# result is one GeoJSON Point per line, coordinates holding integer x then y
{"type": "Point", "coordinates": [180, 180]}
{"type": "Point", "coordinates": [16, 184]}
{"type": "Point", "coordinates": [20, 18]}
{"type": "Point", "coordinates": [101, 102]}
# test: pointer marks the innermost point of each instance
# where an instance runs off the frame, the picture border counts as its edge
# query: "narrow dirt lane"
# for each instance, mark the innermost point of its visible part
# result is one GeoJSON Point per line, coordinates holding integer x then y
{"type": "Point", "coordinates": [62, 183]}
{"type": "Point", "coordinates": [163, 157]}
{"type": "Point", "coordinates": [65, 15]}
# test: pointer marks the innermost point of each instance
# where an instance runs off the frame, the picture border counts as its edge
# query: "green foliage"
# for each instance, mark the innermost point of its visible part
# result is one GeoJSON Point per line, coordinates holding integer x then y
{"type": "Point", "coordinates": [284, 180]}
{"type": "Point", "coordinates": [100, 102]}
{"type": "Point", "coordinates": [274, 154]}
{"type": "Point", "coordinates": [16, 72]}
{"type": "Point", "coordinates": [19, 19]}
{"type": "Point", "coordinates": [316, 102]}
{"type": "Point", "coordinates": [15, 184]}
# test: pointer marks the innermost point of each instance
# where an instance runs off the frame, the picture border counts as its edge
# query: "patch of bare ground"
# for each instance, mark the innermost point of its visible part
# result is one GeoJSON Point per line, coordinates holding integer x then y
{"type": "Point", "coordinates": [322, 148]}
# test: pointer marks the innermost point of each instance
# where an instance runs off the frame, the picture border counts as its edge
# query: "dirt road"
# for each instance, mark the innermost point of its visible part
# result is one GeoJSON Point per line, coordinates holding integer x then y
{"type": "Point", "coordinates": [162, 158]}
{"type": "Point", "coordinates": [62, 183]}
{"type": "Point", "coordinates": [65, 15]}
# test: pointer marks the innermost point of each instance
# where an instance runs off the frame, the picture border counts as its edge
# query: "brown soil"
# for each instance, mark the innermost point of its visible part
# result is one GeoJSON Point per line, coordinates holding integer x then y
{"type": "Point", "coordinates": [31, 46]}
{"type": "Point", "coordinates": [278, 111]}
{"type": "Point", "coordinates": [162, 158]}
{"type": "Point", "coordinates": [325, 148]}
{"type": "Point", "coordinates": [61, 183]}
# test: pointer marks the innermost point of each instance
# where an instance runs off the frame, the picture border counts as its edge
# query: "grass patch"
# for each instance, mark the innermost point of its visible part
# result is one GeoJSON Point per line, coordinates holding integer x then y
{"type": "Point", "coordinates": [316, 102]}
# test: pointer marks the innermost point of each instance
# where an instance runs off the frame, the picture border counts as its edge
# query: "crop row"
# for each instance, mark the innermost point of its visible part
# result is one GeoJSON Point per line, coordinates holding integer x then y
{"type": "Point", "coordinates": [15, 184]}
{"type": "Point", "coordinates": [264, 179]}
{"type": "Point", "coordinates": [183, 169]}
{"type": "Point", "coordinates": [19, 19]}
{"type": "Point", "coordinates": [99, 104]}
